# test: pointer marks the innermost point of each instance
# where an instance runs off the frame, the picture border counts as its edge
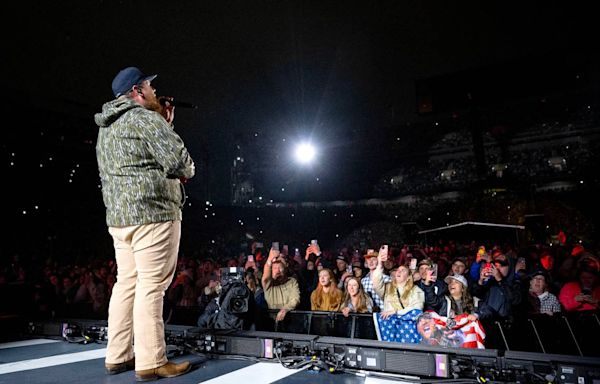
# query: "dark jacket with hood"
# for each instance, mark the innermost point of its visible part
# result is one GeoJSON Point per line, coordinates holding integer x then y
{"type": "Point", "coordinates": [497, 298]}
{"type": "Point", "coordinates": [442, 305]}
{"type": "Point", "coordinates": [438, 288]}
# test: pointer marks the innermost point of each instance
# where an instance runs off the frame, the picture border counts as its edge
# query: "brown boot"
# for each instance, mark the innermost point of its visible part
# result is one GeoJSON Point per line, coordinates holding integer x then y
{"type": "Point", "coordinates": [113, 369]}
{"type": "Point", "coordinates": [167, 370]}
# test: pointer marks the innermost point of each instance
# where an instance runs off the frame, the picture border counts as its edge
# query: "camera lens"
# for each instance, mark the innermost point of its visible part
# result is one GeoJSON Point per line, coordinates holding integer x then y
{"type": "Point", "coordinates": [238, 304]}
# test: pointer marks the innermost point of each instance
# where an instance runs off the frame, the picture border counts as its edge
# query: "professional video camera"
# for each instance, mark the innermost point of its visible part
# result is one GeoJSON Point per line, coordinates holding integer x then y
{"type": "Point", "coordinates": [235, 306]}
{"type": "Point", "coordinates": [235, 295]}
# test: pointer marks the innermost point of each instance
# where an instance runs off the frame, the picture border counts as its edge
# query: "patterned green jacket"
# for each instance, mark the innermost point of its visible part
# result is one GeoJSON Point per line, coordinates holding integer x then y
{"type": "Point", "coordinates": [140, 159]}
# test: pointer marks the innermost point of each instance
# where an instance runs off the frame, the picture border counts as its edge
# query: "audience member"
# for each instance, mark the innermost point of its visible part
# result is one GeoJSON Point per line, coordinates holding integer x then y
{"type": "Point", "coordinates": [497, 288]}
{"type": "Point", "coordinates": [327, 296]}
{"type": "Point", "coordinates": [400, 294]}
{"type": "Point", "coordinates": [355, 299]}
{"type": "Point", "coordinates": [371, 262]}
{"type": "Point", "coordinates": [456, 302]}
{"type": "Point", "coordinates": [343, 269]}
{"type": "Point", "coordinates": [281, 292]}
{"type": "Point", "coordinates": [583, 294]}
{"type": "Point", "coordinates": [458, 267]}
{"type": "Point", "coordinates": [438, 288]}
{"type": "Point", "coordinates": [540, 301]}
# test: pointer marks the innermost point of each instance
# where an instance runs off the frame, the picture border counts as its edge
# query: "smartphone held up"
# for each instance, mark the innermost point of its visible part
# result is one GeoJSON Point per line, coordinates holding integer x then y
{"type": "Point", "coordinates": [383, 252]}
{"type": "Point", "coordinates": [413, 264]}
{"type": "Point", "coordinates": [434, 271]}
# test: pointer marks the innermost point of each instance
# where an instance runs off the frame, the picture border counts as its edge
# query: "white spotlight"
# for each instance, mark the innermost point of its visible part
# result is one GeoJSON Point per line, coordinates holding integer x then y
{"type": "Point", "coordinates": [305, 153]}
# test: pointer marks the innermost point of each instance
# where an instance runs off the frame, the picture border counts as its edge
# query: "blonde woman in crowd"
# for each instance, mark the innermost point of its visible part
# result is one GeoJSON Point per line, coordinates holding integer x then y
{"type": "Point", "coordinates": [400, 295]}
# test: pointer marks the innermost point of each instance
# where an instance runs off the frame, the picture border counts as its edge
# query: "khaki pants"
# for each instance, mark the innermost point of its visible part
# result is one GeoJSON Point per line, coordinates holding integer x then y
{"type": "Point", "coordinates": [146, 261]}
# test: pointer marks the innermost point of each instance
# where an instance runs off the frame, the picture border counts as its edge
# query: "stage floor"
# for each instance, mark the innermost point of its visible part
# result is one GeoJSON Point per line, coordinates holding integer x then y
{"type": "Point", "coordinates": [58, 361]}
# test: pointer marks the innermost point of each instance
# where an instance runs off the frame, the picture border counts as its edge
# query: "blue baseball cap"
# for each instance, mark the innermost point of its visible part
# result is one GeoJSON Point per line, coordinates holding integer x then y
{"type": "Point", "coordinates": [127, 78]}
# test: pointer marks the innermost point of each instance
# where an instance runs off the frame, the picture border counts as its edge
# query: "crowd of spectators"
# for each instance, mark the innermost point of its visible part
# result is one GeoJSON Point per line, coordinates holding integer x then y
{"type": "Point", "coordinates": [568, 161]}
{"type": "Point", "coordinates": [540, 153]}
{"type": "Point", "coordinates": [47, 288]}
{"type": "Point", "coordinates": [458, 139]}
{"type": "Point", "coordinates": [487, 282]}
{"type": "Point", "coordinates": [498, 284]}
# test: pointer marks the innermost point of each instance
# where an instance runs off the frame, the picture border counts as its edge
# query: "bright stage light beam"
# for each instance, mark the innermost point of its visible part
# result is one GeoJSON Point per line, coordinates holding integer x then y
{"type": "Point", "coordinates": [305, 153]}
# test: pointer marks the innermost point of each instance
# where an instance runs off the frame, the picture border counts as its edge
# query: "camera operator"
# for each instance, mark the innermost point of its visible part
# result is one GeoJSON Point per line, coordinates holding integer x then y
{"type": "Point", "coordinates": [234, 308]}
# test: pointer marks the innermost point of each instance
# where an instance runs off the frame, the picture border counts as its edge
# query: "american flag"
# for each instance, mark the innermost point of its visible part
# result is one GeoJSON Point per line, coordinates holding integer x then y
{"type": "Point", "coordinates": [474, 335]}
{"type": "Point", "coordinates": [398, 328]}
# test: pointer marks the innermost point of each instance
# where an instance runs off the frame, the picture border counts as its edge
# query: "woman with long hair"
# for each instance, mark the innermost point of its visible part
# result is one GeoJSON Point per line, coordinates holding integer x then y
{"type": "Point", "coordinates": [402, 303]}
{"type": "Point", "coordinates": [327, 296]}
{"type": "Point", "coordinates": [355, 299]}
{"type": "Point", "coordinates": [400, 295]}
{"type": "Point", "coordinates": [456, 301]}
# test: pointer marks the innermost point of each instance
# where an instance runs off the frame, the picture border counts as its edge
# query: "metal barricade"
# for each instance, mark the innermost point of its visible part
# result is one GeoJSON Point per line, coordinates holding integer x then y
{"type": "Point", "coordinates": [320, 323]}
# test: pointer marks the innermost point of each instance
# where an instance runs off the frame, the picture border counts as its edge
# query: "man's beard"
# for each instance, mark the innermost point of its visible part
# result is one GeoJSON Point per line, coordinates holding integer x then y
{"type": "Point", "coordinates": [281, 279]}
{"type": "Point", "coordinates": [153, 104]}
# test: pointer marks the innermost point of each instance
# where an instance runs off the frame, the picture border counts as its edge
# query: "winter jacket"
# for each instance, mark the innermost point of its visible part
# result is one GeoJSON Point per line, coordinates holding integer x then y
{"type": "Point", "coordinates": [442, 305]}
{"type": "Point", "coordinates": [497, 298]}
{"type": "Point", "coordinates": [141, 160]}
{"type": "Point", "coordinates": [438, 288]}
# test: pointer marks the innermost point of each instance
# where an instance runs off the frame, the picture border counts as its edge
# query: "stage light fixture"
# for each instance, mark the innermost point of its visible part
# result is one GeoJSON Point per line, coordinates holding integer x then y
{"type": "Point", "coordinates": [305, 153]}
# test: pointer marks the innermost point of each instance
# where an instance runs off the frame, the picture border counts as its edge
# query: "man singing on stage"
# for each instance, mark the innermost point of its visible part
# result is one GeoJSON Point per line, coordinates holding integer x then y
{"type": "Point", "coordinates": [143, 164]}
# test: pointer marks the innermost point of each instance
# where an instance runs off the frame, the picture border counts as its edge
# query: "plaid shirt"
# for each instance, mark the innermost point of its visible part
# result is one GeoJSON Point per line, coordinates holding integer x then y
{"type": "Point", "coordinates": [549, 303]}
{"type": "Point", "coordinates": [367, 284]}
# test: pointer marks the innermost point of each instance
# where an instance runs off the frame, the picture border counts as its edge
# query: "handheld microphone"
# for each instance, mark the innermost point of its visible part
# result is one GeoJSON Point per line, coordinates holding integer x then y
{"type": "Point", "coordinates": [177, 103]}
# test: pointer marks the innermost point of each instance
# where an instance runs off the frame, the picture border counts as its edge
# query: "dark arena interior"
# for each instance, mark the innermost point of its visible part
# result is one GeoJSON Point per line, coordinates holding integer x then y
{"type": "Point", "coordinates": [423, 137]}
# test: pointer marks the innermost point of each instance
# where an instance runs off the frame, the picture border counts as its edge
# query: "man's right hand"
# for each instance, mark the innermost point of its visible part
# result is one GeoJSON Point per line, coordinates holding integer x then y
{"type": "Point", "coordinates": [273, 255]}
